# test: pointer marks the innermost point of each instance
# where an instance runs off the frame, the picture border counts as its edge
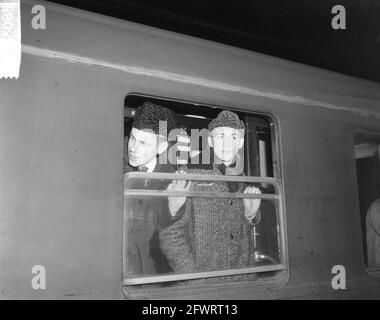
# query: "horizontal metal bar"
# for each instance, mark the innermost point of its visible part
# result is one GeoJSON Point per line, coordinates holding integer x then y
{"type": "Point", "coordinates": [199, 275]}
{"type": "Point", "coordinates": [198, 177]}
{"type": "Point", "coordinates": [193, 194]}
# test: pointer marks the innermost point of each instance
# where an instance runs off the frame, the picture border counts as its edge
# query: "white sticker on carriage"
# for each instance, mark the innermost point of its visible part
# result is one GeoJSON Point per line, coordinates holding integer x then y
{"type": "Point", "coordinates": [10, 38]}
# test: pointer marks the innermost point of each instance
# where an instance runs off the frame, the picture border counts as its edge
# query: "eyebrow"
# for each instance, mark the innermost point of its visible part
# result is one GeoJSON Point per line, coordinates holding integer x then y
{"type": "Point", "coordinates": [222, 133]}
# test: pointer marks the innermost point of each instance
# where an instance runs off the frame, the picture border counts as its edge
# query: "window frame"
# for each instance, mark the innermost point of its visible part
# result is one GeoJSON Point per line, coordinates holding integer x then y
{"type": "Point", "coordinates": [277, 181]}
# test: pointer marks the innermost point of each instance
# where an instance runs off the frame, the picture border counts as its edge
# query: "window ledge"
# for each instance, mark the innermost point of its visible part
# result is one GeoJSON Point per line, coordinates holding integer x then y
{"type": "Point", "coordinates": [222, 290]}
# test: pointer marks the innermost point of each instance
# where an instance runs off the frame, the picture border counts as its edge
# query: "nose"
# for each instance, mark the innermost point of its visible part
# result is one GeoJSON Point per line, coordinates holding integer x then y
{"type": "Point", "coordinates": [132, 146]}
{"type": "Point", "coordinates": [227, 142]}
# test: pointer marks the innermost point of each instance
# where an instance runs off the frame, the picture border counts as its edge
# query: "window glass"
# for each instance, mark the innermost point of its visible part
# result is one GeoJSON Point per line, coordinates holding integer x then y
{"type": "Point", "coordinates": [203, 200]}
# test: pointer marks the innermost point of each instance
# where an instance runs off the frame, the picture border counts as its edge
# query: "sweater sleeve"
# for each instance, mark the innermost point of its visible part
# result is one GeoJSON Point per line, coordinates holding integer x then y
{"type": "Point", "coordinates": [174, 243]}
{"type": "Point", "coordinates": [247, 250]}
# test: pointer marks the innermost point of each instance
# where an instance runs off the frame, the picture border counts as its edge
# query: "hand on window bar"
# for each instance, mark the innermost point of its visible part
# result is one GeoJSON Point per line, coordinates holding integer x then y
{"type": "Point", "coordinates": [251, 206]}
{"type": "Point", "coordinates": [175, 203]}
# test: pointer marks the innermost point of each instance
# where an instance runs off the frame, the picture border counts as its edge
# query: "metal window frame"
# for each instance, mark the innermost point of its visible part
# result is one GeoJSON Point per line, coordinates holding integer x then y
{"type": "Point", "coordinates": [277, 173]}
{"type": "Point", "coordinates": [277, 197]}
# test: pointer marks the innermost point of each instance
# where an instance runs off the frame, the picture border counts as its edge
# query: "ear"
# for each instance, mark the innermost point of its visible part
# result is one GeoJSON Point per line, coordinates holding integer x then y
{"type": "Point", "coordinates": [162, 146]}
{"type": "Point", "coordinates": [241, 143]}
{"type": "Point", "coordinates": [210, 141]}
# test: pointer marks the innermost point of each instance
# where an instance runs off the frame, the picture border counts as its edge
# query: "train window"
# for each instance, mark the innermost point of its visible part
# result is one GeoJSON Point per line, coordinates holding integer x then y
{"type": "Point", "coordinates": [205, 203]}
{"type": "Point", "coordinates": [367, 155]}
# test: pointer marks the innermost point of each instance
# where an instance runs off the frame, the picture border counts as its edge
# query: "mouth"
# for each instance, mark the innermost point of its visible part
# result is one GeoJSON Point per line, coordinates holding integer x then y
{"type": "Point", "coordinates": [132, 157]}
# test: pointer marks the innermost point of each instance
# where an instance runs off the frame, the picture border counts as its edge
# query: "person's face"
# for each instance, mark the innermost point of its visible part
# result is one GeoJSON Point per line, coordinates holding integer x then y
{"type": "Point", "coordinates": [142, 147]}
{"type": "Point", "coordinates": [226, 143]}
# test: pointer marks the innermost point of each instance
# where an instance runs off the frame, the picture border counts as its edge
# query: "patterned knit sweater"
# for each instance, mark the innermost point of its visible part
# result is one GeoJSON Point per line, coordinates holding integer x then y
{"type": "Point", "coordinates": [211, 234]}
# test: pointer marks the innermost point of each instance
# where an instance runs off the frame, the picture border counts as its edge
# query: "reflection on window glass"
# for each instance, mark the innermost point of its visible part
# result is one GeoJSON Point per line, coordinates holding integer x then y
{"type": "Point", "coordinates": [192, 208]}
{"type": "Point", "coordinates": [367, 148]}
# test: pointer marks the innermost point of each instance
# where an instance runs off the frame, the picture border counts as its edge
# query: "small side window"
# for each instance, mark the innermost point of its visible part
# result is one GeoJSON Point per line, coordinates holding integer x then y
{"type": "Point", "coordinates": [367, 155]}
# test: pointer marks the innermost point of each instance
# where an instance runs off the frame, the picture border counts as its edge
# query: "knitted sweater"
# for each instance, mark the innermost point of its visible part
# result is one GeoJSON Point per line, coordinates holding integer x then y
{"type": "Point", "coordinates": [211, 234]}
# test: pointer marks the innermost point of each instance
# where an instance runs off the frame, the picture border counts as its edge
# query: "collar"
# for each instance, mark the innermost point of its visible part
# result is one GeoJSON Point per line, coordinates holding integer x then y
{"type": "Point", "coordinates": [151, 165]}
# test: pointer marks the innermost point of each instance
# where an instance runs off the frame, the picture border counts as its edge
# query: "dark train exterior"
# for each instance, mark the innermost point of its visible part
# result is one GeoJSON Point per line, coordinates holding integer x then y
{"type": "Point", "coordinates": [61, 156]}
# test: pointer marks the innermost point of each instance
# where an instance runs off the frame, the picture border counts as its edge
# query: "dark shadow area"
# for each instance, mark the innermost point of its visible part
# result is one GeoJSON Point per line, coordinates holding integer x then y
{"type": "Point", "coordinates": [297, 30]}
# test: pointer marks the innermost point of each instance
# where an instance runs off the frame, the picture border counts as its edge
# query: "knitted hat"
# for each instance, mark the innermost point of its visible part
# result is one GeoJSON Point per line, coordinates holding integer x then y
{"type": "Point", "coordinates": [226, 119]}
{"type": "Point", "coordinates": [149, 115]}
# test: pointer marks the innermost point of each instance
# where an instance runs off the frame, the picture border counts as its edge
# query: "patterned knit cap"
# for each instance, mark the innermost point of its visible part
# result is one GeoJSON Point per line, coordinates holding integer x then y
{"type": "Point", "coordinates": [149, 115]}
{"type": "Point", "coordinates": [226, 119]}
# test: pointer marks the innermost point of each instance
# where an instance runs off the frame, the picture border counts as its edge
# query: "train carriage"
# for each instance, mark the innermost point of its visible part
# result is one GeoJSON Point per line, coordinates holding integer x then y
{"type": "Point", "coordinates": [313, 143]}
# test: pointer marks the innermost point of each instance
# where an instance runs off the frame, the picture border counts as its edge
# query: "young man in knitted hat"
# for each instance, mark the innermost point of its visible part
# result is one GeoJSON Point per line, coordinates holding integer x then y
{"type": "Point", "coordinates": [212, 234]}
{"type": "Point", "coordinates": [148, 139]}
{"type": "Point", "coordinates": [147, 215]}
